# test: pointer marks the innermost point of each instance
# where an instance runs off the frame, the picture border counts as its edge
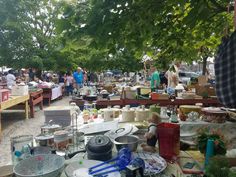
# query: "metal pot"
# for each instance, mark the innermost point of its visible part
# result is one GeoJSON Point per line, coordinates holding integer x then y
{"type": "Point", "coordinates": [50, 129]}
{"type": "Point", "coordinates": [99, 156]}
{"type": "Point", "coordinates": [45, 140]}
{"type": "Point", "coordinates": [90, 97]}
{"type": "Point", "coordinates": [127, 141]}
{"type": "Point", "coordinates": [99, 143]}
{"type": "Point", "coordinates": [105, 95]}
{"type": "Point", "coordinates": [41, 150]}
{"type": "Point", "coordinates": [99, 148]}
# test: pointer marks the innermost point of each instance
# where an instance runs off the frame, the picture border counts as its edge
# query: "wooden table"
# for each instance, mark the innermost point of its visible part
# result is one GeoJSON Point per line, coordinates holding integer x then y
{"type": "Point", "coordinates": [3, 85]}
{"type": "Point", "coordinates": [50, 94]}
{"type": "Point", "coordinates": [13, 101]}
{"type": "Point", "coordinates": [136, 102]}
{"type": "Point", "coordinates": [36, 97]}
{"type": "Point", "coordinates": [177, 102]}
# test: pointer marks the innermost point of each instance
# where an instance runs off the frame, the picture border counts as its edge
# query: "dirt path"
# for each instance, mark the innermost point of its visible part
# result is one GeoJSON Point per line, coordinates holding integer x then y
{"type": "Point", "coordinates": [14, 124]}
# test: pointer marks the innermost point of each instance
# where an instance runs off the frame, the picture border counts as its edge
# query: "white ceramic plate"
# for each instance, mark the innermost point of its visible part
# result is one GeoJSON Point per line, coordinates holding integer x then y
{"type": "Point", "coordinates": [80, 169]}
{"type": "Point", "coordinates": [124, 130]}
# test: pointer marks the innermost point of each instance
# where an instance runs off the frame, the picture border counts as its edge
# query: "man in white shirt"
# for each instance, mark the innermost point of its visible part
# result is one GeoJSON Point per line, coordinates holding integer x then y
{"type": "Point", "coordinates": [11, 79]}
{"type": "Point", "coordinates": [173, 75]}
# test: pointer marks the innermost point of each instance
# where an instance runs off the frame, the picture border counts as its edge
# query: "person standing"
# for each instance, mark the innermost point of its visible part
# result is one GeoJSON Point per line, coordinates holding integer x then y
{"type": "Point", "coordinates": [11, 79]}
{"type": "Point", "coordinates": [78, 77]}
{"type": "Point", "coordinates": [155, 78]}
{"type": "Point", "coordinates": [173, 75]}
{"type": "Point", "coordinates": [85, 77]}
{"type": "Point", "coordinates": [31, 75]}
{"type": "Point", "coordinates": [69, 83]}
{"type": "Point", "coordinates": [93, 77]}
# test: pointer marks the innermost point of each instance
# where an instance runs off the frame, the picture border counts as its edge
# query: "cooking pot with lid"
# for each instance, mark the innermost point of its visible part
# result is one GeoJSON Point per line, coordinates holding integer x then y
{"type": "Point", "coordinates": [50, 129]}
{"type": "Point", "coordinates": [99, 148]}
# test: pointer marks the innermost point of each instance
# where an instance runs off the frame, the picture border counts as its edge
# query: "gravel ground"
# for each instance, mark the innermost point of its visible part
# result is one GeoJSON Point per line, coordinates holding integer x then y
{"type": "Point", "coordinates": [14, 124]}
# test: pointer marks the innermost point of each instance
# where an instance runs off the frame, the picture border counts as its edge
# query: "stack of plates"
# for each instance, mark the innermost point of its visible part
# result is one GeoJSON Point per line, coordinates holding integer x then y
{"type": "Point", "coordinates": [58, 115]}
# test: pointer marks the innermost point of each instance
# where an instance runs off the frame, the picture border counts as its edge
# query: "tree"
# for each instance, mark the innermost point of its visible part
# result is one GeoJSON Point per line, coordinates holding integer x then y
{"type": "Point", "coordinates": [179, 29]}
{"type": "Point", "coordinates": [27, 31]}
{"type": "Point", "coordinates": [109, 34]}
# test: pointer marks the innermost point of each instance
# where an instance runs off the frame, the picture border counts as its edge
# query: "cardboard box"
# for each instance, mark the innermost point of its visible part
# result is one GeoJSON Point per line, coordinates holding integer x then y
{"type": "Point", "coordinates": [20, 90]}
{"type": "Point", "coordinates": [205, 90]}
{"type": "Point", "coordinates": [4, 95]}
{"type": "Point", "coordinates": [158, 96]}
{"type": "Point", "coordinates": [130, 94]}
{"type": "Point", "coordinates": [202, 80]}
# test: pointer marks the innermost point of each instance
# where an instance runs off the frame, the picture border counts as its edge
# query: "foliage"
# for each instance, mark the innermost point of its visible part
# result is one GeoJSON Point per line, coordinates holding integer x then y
{"type": "Point", "coordinates": [107, 34]}
{"type": "Point", "coordinates": [27, 31]}
{"type": "Point", "coordinates": [216, 136]}
{"type": "Point", "coordinates": [217, 168]}
{"type": "Point", "coordinates": [35, 62]}
{"type": "Point", "coordinates": [177, 28]}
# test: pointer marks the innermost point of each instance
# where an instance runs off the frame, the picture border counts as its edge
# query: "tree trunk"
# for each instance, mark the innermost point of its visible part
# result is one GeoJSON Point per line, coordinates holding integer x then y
{"type": "Point", "coordinates": [204, 65]}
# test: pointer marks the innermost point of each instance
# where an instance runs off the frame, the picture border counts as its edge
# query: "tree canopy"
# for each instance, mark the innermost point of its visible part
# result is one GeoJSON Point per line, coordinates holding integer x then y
{"type": "Point", "coordinates": [105, 34]}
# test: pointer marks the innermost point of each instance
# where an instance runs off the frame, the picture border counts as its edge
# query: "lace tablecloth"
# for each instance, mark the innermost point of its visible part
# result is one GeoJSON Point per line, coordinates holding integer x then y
{"type": "Point", "coordinates": [228, 129]}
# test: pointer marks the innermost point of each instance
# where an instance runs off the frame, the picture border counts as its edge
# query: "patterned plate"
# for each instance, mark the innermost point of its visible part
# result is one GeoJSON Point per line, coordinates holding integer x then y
{"type": "Point", "coordinates": [154, 164]}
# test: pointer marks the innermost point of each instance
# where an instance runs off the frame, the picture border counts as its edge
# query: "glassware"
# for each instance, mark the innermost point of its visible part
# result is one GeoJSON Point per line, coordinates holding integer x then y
{"type": "Point", "coordinates": [164, 112]}
{"type": "Point", "coordinates": [21, 147]}
{"type": "Point", "coordinates": [75, 118]}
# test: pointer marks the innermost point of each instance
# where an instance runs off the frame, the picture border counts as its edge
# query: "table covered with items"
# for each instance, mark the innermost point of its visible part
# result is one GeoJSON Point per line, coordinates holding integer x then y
{"type": "Point", "coordinates": [51, 91]}
{"type": "Point", "coordinates": [141, 95]}
{"type": "Point", "coordinates": [126, 142]}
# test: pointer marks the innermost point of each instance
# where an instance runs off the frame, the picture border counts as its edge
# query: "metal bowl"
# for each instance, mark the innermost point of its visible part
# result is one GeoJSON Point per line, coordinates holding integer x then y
{"type": "Point", "coordinates": [127, 141]}
{"type": "Point", "coordinates": [47, 165]}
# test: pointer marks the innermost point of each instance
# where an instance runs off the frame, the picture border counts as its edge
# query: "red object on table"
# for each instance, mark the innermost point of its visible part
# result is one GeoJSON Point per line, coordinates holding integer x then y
{"type": "Point", "coordinates": [4, 95]}
{"type": "Point", "coordinates": [168, 140]}
{"type": "Point", "coordinates": [154, 96]}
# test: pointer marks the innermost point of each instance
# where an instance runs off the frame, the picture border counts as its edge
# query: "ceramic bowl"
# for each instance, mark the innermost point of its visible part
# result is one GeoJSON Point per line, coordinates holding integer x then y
{"type": "Point", "coordinates": [46, 165]}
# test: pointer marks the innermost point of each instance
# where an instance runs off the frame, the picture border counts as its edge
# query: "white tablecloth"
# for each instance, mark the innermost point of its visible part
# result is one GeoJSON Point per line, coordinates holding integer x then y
{"type": "Point", "coordinates": [56, 92]}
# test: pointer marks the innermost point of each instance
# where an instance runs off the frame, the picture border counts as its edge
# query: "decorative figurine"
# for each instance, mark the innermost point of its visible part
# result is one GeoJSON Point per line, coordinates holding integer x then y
{"type": "Point", "coordinates": [151, 135]}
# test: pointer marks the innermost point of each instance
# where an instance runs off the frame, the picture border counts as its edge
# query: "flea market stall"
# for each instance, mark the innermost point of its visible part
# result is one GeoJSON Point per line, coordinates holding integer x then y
{"type": "Point", "coordinates": [103, 133]}
{"type": "Point", "coordinates": [82, 140]}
